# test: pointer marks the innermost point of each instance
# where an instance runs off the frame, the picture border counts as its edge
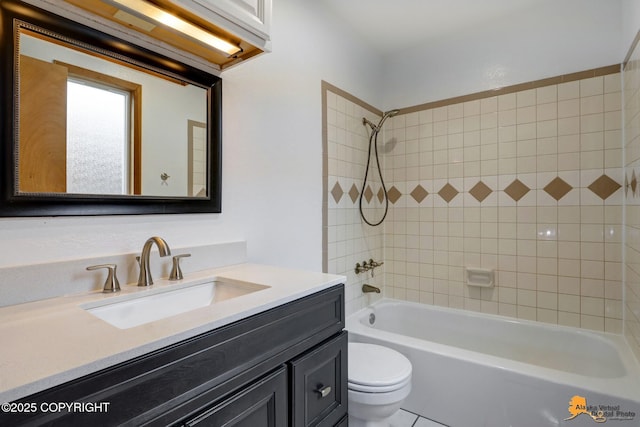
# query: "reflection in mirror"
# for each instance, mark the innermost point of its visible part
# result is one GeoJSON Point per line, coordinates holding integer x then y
{"type": "Point", "coordinates": [101, 137]}
{"type": "Point", "coordinates": [90, 124]}
{"type": "Point", "coordinates": [155, 150]}
{"type": "Point", "coordinates": [197, 158]}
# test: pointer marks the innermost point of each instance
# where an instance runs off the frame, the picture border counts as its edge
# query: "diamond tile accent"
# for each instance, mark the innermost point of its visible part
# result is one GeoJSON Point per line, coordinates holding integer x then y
{"type": "Point", "coordinates": [604, 187]}
{"type": "Point", "coordinates": [393, 194]}
{"type": "Point", "coordinates": [558, 188]}
{"type": "Point", "coordinates": [368, 194]}
{"type": "Point", "coordinates": [634, 183]}
{"type": "Point", "coordinates": [337, 192]}
{"type": "Point", "coordinates": [480, 191]}
{"type": "Point", "coordinates": [448, 192]}
{"type": "Point", "coordinates": [380, 195]}
{"type": "Point", "coordinates": [517, 190]}
{"type": "Point", "coordinates": [419, 193]}
{"type": "Point", "coordinates": [354, 193]}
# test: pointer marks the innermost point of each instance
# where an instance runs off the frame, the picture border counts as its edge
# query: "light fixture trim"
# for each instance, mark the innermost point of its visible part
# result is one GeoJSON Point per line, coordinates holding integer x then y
{"type": "Point", "coordinates": [165, 18]}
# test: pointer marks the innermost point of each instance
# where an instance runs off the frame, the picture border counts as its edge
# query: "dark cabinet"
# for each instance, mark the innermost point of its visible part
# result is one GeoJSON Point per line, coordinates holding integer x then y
{"type": "Point", "coordinates": [319, 392]}
{"type": "Point", "coordinates": [344, 422]}
{"type": "Point", "coordinates": [262, 404]}
{"type": "Point", "coordinates": [269, 369]}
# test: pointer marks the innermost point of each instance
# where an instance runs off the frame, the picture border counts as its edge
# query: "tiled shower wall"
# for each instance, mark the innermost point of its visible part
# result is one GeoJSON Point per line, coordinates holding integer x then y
{"type": "Point", "coordinates": [632, 192]}
{"type": "Point", "coordinates": [346, 240]}
{"type": "Point", "coordinates": [527, 182]}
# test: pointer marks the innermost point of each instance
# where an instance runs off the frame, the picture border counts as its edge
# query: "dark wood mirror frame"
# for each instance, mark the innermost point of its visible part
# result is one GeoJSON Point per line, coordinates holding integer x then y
{"type": "Point", "coordinates": [15, 204]}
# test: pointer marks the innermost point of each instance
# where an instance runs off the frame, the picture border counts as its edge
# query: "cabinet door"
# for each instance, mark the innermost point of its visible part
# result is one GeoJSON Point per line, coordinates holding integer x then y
{"type": "Point", "coordinates": [248, 19]}
{"type": "Point", "coordinates": [262, 404]}
{"type": "Point", "coordinates": [252, 14]}
{"type": "Point", "coordinates": [319, 384]}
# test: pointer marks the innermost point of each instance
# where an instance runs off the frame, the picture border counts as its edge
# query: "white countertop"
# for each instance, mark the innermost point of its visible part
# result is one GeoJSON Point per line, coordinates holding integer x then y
{"type": "Point", "coordinates": [49, 342]}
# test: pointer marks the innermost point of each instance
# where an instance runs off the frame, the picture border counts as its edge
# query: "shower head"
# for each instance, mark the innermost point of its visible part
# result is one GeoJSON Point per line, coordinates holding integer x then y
{"type": "Point", "coordinates": [385, 116]}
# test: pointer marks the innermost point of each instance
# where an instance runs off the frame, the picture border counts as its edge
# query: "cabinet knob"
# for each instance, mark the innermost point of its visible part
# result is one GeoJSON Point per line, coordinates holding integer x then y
{"type": "Point", "coordinates": [324, 391]}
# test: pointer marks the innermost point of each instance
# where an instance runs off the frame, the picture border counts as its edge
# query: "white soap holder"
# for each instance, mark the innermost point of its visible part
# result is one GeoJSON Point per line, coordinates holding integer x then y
{"type": "Point", "coordinates": [482, 277]}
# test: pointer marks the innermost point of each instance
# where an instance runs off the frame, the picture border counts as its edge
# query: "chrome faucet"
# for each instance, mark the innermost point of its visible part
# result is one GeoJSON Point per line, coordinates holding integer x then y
{"type": "Point", "coordinates": [145, 279]}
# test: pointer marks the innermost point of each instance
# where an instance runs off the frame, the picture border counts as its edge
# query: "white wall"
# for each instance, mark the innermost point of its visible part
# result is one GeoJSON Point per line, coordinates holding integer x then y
{"type": "Point", "coordinates": [165, 147]}
{"type": "Point", "coordinates": [552, 38]}
{"type": "Point", "coordinates": [273, 130]}
{"type": "Point", "coordinates": [630, 23]}
{"type": "Point", "coordinates": [272, 176]}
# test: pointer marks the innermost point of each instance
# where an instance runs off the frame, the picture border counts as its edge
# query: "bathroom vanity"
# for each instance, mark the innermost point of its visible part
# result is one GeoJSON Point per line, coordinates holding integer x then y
{"type": "Point", "coordinates": [274, 364]}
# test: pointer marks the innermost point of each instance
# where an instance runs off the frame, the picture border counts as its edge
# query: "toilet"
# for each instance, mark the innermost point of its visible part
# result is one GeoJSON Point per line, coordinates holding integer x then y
{"type": "Point", "coordinates": [379, 381]}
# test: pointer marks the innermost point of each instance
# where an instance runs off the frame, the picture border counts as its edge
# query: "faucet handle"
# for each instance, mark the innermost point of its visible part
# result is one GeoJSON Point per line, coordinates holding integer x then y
{"type": "Point", "coordinates": [111, 284]}
{"type": "Point", "coordinates": [375, 264]}
{"type": "Point", "coordinates": [176, 271]}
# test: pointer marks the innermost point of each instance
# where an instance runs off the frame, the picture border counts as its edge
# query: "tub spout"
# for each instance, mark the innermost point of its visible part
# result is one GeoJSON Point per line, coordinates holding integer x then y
{"type": "Point", "coordinates": [368, 288]}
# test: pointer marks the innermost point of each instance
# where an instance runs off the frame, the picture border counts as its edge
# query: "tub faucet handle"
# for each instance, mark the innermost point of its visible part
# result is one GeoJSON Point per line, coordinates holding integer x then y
{"type": "Point", "coordinates": [362, 268]}
{"type": "Point", "coordinates": [111, 284]}
{"type": "Point", "coordinates": [375, 264]}
{"type": "Point", "coordinates": [176, 271]}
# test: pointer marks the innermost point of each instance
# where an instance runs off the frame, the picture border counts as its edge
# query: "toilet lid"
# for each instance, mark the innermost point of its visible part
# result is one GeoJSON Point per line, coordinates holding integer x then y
{"type": "Point", "coordinates": [376, 368]}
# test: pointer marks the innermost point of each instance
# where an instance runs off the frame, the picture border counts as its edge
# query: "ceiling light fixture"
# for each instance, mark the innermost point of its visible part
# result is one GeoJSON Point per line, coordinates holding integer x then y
{"type": "Point", "coordinates": [163, 17]}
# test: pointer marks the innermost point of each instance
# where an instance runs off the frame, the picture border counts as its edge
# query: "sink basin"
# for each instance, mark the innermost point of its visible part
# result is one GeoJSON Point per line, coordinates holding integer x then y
{"type": "Point", "coordinates": [164, 303]}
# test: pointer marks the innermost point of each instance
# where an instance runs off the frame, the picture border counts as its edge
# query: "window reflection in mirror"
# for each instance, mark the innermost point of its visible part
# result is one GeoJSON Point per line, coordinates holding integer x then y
{"type": "Point", "coordinates": [70, 144]}
{"type": "Point", "coordinates": [98, 138]}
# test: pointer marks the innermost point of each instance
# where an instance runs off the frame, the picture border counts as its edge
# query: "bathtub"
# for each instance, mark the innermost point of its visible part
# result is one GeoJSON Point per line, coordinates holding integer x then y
{"type": "Point", "coordinates": [472, 369]}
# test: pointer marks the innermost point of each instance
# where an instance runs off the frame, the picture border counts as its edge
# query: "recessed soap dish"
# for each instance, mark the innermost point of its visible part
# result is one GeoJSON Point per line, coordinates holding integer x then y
{"type": "Point", "coordinates": [482, 277]}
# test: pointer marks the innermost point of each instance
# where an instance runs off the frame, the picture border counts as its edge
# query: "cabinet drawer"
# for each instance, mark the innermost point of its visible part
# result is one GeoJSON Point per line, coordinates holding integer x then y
{"type": "Point", "coordinates": [319, 384]}
{"type": "Point", "coordinates": [263, 404]}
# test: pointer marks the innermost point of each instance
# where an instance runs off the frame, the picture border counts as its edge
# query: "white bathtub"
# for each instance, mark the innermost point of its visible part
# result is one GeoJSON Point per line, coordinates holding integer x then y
{"type": "Point", "coordinates": [472, 369]}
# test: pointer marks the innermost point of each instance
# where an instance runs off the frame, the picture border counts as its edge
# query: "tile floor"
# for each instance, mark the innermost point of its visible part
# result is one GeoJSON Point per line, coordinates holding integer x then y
{"type": "Point", "coordinates": [404, 418]}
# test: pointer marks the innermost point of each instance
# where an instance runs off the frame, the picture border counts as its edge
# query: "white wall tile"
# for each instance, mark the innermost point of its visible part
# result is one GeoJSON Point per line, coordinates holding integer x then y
{"type": "Point", "coordinates": [592, 86]}
{"type": "Point", "coordinates": [569, 90]}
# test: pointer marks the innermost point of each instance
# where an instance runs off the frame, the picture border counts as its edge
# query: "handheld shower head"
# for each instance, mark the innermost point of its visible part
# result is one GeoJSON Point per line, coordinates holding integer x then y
{"type": "Point", "coordinates": [385, 116]}
{"type": "Point", "coordinates": [373, 143]}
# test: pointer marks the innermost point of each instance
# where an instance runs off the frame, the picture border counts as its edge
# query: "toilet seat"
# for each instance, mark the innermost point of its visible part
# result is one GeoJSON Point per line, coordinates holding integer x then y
{"type": "Point", "coordinates": [377, 369]}
{"type": "Point", "coordinates": [378, 389]}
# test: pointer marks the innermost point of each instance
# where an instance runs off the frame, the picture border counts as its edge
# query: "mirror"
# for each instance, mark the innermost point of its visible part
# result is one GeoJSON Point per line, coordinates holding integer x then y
{"type": "Point", "coordinates": [95, 125]}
